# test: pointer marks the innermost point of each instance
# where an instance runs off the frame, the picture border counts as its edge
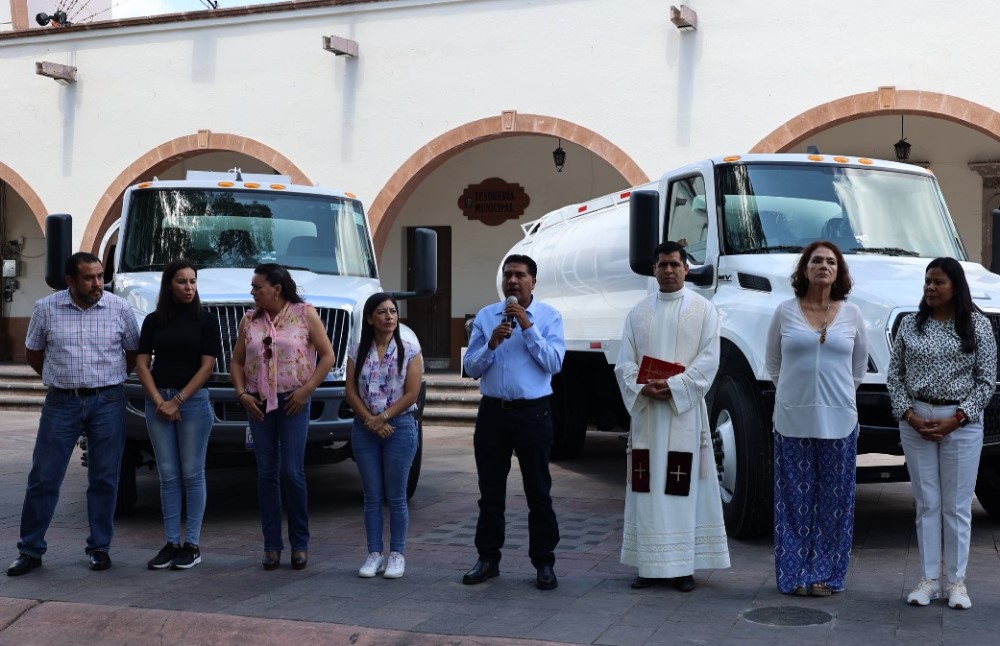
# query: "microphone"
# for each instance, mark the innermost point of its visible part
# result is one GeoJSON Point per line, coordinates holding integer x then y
{"type": "Point", "coordinates": [510, 320]}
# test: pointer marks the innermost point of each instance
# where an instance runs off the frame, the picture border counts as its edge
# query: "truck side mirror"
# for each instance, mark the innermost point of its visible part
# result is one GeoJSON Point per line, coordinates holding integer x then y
{"type": "Point", "coordinates": [643, 230]}
{"type": "Point", "coordinates": [58, 247]}
{"type": "Point", "coordinates": [425, 265]}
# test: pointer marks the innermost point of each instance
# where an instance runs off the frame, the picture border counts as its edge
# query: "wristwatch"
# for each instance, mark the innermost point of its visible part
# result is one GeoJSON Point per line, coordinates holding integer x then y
{"type": "Point", "coordinates": [962, 418]}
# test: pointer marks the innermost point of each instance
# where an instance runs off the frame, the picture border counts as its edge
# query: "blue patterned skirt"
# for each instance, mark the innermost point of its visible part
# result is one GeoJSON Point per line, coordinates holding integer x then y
{"type": "Point", "coordinates": [814, 483]}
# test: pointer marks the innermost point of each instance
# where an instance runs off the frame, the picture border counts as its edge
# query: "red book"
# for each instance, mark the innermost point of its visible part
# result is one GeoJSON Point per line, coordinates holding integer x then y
{"type": "Point", "coordinates": [653, 369]}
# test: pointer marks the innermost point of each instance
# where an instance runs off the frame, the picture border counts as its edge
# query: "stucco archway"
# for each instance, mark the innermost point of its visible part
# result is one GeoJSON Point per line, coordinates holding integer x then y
{"type": "Point", "coordinates": [30, 197]}
{"type": "Point", "coordinates": [883, 101]}
{"type": "Point", "coordinates": [168, 154]}
{"type": "Point", "coordinates": [387, 204]}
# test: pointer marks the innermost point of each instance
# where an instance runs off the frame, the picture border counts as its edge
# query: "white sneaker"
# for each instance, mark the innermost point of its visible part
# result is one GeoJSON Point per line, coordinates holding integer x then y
{"type": "Point", "coordinates": [373, 565]}
{"type": "Point", "coordinates": [926, 591]}
{"type": "Point", "coordinates": [957, 596]}
{"type": "Point", "coordinates": [397, 564]}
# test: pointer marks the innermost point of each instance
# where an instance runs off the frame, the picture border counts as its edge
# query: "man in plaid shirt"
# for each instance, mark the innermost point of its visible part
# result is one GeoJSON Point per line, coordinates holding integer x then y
{"type": "Point", "coordinates": [83, 343]}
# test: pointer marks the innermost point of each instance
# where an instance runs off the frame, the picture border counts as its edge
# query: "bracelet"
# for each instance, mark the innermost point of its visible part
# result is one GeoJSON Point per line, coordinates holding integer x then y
{"type": "Point", "coordinates": [240, 394]}
{"type": "Point", "coordinates": [385, 418]}
{"type": "Point", "coordinates": [908, 415]}
{"type": "Point", "coordinates": [180, 398]}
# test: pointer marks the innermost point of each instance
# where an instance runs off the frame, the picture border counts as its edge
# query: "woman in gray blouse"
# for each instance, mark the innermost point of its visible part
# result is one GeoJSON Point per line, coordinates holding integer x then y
{"type": "Point", "coordinates": [942, 375]}
{"type": "Point", "coordinates": [817, 355]}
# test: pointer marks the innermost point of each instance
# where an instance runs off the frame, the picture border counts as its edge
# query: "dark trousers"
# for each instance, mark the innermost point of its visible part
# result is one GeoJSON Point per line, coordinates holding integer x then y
{"type": "Point", "coordinates": [499, 433]}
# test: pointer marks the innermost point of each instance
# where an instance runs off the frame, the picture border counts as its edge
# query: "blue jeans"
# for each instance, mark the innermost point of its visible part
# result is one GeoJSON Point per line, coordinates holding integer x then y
{"type": "Point", "coordinates": [180, 449]}
{"type": "Point", "coordinates": [384, 465]}
{"type": "Point", "coordinates": [64, 418]}
{"type": "Point", "coordinates": [280, 441]}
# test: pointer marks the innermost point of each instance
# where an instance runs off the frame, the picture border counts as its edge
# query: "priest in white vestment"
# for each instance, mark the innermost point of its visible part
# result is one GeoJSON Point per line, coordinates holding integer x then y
{"type": "Point", "coordinates": [666, 536]}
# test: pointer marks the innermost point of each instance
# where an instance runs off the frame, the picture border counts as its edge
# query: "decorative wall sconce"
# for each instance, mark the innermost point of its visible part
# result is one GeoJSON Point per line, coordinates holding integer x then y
{"type": "Point", "coordinates": [341, 46]}
{"type": "Point", "coordinates": [684, 18]}
{"type": "Point", "coordinates": [559, 157]}
{"type": "Point", "coordinates": [63, 74]}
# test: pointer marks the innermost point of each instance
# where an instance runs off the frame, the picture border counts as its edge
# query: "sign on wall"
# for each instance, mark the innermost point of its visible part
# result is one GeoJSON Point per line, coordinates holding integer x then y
{"type": "Point", "coordinates": [493, 201]}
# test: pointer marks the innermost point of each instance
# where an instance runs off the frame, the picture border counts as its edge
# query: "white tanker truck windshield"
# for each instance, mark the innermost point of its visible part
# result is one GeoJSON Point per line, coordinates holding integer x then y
{"type": "Point", "coordinates": [772, 208]}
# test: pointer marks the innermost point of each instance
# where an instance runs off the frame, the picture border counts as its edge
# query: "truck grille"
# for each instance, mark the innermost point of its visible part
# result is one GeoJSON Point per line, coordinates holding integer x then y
{"type": "Point", "coordinates": [336, 321]}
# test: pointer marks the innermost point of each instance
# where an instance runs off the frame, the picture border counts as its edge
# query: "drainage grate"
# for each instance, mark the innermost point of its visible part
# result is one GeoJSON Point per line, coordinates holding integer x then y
{"type": "Point", "coordinates": [787, 616]}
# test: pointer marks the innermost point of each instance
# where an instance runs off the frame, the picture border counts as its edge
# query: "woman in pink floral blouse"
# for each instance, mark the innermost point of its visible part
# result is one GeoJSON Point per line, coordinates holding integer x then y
{"type": "Point", "coordinates": [383, 384]}
{"type": "Point", "coordinates": [282, 355]}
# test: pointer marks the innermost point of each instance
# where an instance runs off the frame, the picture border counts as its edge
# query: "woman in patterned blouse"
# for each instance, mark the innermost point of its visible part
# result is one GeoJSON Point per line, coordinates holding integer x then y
{"type": "Point", "coordinates": [383, 384]}
{"type": "Point", "coordinates": [941, 378]}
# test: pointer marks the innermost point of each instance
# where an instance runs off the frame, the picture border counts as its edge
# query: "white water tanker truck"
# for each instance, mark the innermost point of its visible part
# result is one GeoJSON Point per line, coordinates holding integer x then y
{"type": "Point", "coordinates": [227, 223]}
{"type": "Point", "coordinates": [743, 220]}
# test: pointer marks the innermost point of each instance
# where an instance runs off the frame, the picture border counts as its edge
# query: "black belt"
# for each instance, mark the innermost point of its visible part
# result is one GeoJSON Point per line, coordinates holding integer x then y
{"type": "Point", "coordinates": [82, 392]}
{"type": "Point", "coordinates": [937, 402]}
{"type": "Point", "coordinates": [515, 403]}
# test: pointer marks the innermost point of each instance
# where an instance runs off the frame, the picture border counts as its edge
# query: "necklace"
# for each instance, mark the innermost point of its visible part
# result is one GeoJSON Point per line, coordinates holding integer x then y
{"type": "Point", "coordinates": [822, 329]}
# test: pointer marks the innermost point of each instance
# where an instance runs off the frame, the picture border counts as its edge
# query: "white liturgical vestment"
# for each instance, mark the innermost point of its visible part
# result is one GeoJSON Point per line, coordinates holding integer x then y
{"type": "Point", "coordinates": [668, 536]}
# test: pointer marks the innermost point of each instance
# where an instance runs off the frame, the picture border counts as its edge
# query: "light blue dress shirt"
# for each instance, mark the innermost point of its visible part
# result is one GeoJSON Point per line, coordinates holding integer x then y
{"type": "Point", "coordinates": [522, 366]}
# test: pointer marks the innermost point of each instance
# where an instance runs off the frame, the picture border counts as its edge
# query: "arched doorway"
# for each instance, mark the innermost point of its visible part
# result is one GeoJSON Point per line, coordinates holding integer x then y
{"type": "Point", "coordinates": [22, 221]}
{"type": "Point", "coordinates": [424, 191]}
{"type": "Point", "coordinates": [959, 140]}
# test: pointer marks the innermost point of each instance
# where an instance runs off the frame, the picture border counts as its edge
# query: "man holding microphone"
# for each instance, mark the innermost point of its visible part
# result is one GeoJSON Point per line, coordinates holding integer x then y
{"type": "Point", "coordinates": [516, 346]}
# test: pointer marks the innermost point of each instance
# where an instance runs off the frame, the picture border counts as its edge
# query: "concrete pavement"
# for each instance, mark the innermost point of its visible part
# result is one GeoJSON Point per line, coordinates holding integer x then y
{"type": "Point", "coordinates": [230, 599]}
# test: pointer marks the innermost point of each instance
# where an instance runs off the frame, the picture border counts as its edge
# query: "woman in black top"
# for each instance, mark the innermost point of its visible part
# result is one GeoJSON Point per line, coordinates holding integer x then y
{"type": "Point", "coordinates": [184, 340]}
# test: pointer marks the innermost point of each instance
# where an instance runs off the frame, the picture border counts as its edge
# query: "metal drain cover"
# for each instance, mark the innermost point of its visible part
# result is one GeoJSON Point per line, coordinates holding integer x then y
{"type": "Point", "coordinates": [787, 616]}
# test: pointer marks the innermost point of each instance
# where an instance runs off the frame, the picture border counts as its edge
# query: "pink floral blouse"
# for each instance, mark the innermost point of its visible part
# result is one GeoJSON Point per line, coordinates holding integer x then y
{"type": "Point", "coordinates": [380, 384]}
{"type": "Point", "coordinates": [293, 357]}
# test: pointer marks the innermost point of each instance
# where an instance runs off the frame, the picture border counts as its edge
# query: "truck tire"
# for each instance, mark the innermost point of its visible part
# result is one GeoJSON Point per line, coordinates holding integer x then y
{"type": "Point", "coordinates": [744, 457]}
{"type": "Point", "coordinates": [988, 485]}
{"type": "Point", "coordinates": [127, 493]}
{"type": "Point", "coordinates": [569, 419]}
{"type": "Point", "coordinates": [411, 480]}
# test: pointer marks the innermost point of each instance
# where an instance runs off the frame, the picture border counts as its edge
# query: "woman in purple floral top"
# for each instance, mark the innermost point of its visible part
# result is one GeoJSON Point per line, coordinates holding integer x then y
{"type": "Point", "coordinates": [383, 384]}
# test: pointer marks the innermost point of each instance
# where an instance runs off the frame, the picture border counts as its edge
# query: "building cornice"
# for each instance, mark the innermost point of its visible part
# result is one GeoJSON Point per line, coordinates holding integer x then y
{"type": "Point", "coordinates": [184, 17]}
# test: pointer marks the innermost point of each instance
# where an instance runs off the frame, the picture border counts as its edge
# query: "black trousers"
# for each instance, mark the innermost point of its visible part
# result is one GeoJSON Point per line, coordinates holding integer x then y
{"type": "Point", "coordinates": [499, 433]}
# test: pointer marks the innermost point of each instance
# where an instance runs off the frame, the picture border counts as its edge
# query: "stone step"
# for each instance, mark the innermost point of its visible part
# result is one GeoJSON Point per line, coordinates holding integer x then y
{"type": "Point", "coordinates": [17, 372]}
{"type": "Point", "coordinates": [451, 399]}
{"type": "Point", "coordinates": [21, 388]}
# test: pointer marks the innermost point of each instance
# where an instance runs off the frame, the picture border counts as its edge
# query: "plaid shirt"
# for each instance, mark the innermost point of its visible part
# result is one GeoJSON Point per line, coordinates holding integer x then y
{"type": "Point", "coordinates": [84, 348]}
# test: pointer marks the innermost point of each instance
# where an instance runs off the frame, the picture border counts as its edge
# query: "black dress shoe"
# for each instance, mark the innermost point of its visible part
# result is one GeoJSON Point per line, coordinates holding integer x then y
{"type": "Point", "coordinates": [481, 571]}
{"type": "Point", "coordinates": [23, 564]}
{"type": "Point", "coordinates": [99, 561]}
{"type": "Point", "coordinates": [546, 579]}
{"type": "Point", "coordinates": [299, 559]}
{"type": "Point", "coordinates": [271, 559]}
{"type": "Point", "coordinates": [641, 582]}
{"type": "Point", "coordinates": [684, 583]}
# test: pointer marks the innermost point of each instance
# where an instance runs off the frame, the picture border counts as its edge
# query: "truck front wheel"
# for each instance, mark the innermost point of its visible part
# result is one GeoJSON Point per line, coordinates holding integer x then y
{"type": "Point", "coordinates": [988, 484]}
{"type": "Point", "coordinates": [743, 457]}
